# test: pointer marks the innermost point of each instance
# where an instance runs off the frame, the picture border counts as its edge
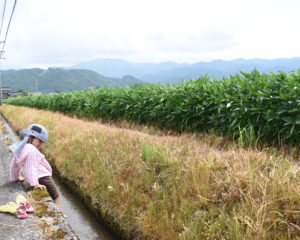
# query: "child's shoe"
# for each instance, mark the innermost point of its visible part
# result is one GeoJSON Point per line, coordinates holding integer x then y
{"type": "Point", "coordinates": [21, 211]}
{"type": "Point", "coordinates": [21, 200]}
{"type": "Point", "coordinates": [29, 208]}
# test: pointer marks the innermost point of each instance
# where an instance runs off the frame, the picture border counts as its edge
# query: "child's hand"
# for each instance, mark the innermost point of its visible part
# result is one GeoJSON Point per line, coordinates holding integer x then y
{"type": "Point", "coordinates": [20, 179]}
{"type": "Point", "coordinates": [39, 186]}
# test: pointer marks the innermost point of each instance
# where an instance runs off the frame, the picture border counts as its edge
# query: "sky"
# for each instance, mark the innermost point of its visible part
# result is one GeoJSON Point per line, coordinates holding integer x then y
{"type": "Point", "coordinates": [47, 33]}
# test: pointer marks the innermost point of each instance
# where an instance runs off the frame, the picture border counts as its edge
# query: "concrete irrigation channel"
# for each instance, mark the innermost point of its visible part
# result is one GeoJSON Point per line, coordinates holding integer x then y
{"type": "Point", "coordinates": [72, 221]}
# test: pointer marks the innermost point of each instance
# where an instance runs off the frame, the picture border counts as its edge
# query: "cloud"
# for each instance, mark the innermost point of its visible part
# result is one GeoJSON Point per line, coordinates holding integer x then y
{"type": "Point", "coordinates": [53, 32]}
{"type": "Point", "coordinates": [210, 40]}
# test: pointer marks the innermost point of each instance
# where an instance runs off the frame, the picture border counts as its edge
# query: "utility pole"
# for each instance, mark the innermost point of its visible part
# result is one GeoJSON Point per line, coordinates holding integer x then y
{"type": "Point", "coordinates": [1, 86]}
{"type": "Point", "coordinates": [4, 40]}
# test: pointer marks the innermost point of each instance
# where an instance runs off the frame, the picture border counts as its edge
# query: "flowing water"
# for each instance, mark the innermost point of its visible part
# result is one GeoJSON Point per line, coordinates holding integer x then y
{"type": "Point", "coordinates": [82, 221]}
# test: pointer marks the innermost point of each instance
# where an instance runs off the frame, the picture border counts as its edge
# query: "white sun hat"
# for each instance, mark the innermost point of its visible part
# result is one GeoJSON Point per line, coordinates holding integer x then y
{"type": "Point", "coordinates": [35, 130]}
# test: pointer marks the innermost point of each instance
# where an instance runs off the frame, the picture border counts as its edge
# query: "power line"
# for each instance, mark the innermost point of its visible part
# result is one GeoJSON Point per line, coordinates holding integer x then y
{"type": "Point", "coordinates": [2, 20]}
{"type": "Point", "coordinates": [4, 41]}
{"type": "Point", "coordinates": [3, 17]}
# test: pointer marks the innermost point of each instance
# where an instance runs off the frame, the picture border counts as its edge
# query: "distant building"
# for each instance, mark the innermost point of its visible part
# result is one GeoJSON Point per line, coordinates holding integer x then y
{"type": "Point", "coordinates": [5, 92]}
{"type": "Point", "coordinates": [15, 94]}
{"type": "Point", "coordinates": [36, 93]}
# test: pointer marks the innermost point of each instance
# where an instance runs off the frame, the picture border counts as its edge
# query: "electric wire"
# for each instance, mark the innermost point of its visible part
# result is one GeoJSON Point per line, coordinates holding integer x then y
{"type": "Point", "coordinates": [2, 20]}
{"type": "Point", "coordinates": [4, 41]}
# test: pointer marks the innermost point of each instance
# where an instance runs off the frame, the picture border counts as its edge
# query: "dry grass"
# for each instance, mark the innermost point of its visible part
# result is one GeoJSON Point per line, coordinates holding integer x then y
{"type": "Point", "coordinates": [3, 130]}
{"type": "Point", "coordinates": [173, 187]}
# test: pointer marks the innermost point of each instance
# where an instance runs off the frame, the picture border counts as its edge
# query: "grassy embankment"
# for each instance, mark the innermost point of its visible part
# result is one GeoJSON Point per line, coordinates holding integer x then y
{"type": "Point", "coordinates": [171, 187]}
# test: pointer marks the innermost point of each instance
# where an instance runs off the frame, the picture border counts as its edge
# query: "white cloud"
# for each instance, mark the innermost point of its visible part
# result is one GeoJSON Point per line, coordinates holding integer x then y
{"type": "Point", "coordinates": [53, 32]}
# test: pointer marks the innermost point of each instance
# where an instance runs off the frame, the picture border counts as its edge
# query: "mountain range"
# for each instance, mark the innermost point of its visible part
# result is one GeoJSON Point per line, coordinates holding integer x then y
{"type": "Point", "coordinates": [55, 80]}
{"type": "Point", "coordinates": [120, 73]}
{"type": "Point", "coordinates": [171, 72]}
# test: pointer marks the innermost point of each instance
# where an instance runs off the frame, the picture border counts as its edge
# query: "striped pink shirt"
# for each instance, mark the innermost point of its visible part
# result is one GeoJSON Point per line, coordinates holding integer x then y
{"type": "Point", "coordinates": [32, 163]}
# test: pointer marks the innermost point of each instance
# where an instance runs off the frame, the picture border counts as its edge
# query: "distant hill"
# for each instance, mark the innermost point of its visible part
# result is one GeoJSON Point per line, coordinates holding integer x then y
{"type": "Point", "coordinates": [118, 67]}
{"type": "Point", "coordinates": [60, 80]}
{"type": "Point", "coordinates": [171, 72]}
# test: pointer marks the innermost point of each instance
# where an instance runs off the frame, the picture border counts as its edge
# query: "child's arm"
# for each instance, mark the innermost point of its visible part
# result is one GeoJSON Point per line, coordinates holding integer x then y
{"type": "Point", "coordinates": [31, 169]}
{"type": "Point", "coordinates": [14, 170]}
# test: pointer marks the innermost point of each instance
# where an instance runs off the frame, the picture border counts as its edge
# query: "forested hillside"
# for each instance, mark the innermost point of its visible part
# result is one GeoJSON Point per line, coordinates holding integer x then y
{"type": "Point", "coordinates": [55, 80]}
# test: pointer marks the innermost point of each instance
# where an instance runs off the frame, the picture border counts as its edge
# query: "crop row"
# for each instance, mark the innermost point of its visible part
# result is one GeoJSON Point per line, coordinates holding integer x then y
{"type": "Point", "coordinates": [252, 105]}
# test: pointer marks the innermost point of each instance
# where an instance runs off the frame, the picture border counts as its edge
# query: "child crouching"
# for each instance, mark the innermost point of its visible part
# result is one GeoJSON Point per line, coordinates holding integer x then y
{"type": "Point", "coordinates": [28, 159]}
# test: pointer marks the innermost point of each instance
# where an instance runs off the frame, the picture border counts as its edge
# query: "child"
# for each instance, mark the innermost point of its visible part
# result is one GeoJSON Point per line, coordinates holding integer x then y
{"type": "Point", "coordinates": [28, 159]}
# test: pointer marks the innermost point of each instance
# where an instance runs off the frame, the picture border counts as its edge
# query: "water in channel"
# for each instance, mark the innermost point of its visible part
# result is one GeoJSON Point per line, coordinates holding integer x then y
{"type": "Point", "coordinates": [82, 221]}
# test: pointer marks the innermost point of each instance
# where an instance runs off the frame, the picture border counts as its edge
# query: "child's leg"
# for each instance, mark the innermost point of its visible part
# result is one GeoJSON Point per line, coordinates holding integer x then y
{"type": "Point", "coordinates": [57, 202]}
{"type": "Point", "coordinates": [51, 188]}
